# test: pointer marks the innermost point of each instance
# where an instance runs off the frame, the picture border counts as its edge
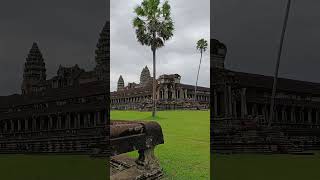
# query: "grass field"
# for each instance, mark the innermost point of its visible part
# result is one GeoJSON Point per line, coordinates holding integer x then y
{"type": "Point", "coordinates": [186, 152]}
{"type": "Point", "coordinates": [266, 167]}
{"type": "Point", "coordinates": [45, 167]}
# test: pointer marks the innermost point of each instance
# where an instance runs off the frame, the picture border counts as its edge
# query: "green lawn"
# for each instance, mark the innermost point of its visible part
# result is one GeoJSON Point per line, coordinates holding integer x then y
{"type": "Point", "coordinates": [186, 152]}
{"type": "Point", "coordinates": [265, 167]}
{"type": "Point", "coordinates": [54, 167]}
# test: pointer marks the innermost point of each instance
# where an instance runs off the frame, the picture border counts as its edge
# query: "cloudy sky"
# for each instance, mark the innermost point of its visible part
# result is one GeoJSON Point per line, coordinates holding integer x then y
{"type": "Point", "coordinates": [128, 57]}
{"type": "Point", "coordinates": [251, 30]}
{"type": "Point", "coordinates": [66, 31]}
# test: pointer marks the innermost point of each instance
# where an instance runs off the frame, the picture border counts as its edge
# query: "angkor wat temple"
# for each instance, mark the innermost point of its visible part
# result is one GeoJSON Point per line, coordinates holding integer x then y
{"type": "Point", "coordinates": [241, 108]}
{"type": "Point", "coordinates": [170, 94]}
{"type": "Point", "coordinates": [66, 113]}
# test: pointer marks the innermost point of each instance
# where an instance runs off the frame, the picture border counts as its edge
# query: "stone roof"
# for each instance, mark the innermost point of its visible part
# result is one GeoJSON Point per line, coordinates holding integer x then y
{"type": "Point", "coordinates": [82, 90]}
{"type": "Point", "coordinates": [283, 84]}
{"type": "Point", "coordinates": [54, 109]}
{"type": "Point", "coordinates": [191, 87]}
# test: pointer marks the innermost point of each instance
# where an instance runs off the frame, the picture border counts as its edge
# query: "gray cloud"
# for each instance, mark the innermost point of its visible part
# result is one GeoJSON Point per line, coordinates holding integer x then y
{"type": "Point", "coordinates": [128, 57]}
{"type": "Point", "coordinates": [66, 31]}
{"type": "Point", "coordinates": [251, 30]}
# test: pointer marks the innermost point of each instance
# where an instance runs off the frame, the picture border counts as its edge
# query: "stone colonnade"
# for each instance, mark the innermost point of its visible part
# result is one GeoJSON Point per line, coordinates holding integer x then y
{"type": "Point", "coordinates": [58, 121]}
{"type": "Point", "coordinates": [228, 102]}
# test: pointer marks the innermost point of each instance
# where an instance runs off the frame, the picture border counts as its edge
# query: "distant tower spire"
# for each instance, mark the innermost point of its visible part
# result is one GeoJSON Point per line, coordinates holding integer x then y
{"type": "Point", "coordinates": [120, 83]}
{"type": "Point", "coordinates": [102, 57]}
{"type": "Point", "coordinates": [145, 76]}
{"type": "Point", "coordinates": [34, 69]}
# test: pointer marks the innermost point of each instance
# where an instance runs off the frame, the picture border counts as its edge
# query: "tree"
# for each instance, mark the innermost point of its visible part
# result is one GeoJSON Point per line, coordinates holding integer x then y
{"type": "Point", "coordinates": [154, 26]}
{"type": "Point", "coordinates": [202, 47]}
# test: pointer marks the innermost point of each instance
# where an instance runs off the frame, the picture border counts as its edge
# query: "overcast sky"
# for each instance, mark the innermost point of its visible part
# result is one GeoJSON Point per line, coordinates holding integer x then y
{"type": "Point", "coordinates": [66, 31]}
{"type": "Point", "coordinates": [251, 30]}
{"type": "Point", "coordinates": [128, 57]}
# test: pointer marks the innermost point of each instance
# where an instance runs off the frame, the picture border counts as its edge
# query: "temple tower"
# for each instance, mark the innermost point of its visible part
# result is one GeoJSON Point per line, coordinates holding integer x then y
{"type": "Point", "coordinates": [145, 76]}
{"type": "Point", "coordinates": [120, 83]}
{"type": "Point", "coordinates": [102, 52]}
{"type": "Point", "coordinates": [34, 70]}
{"type": "Point", "coordinates": [218, 53]}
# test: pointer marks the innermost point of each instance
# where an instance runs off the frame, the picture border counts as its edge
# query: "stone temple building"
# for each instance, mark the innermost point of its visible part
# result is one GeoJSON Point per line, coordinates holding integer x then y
{"type": "Point", "coordinates": [171, 93]}
{"type": "Point", "coordinates": [66, 113]}
{"type": "Point", "coordinates": [242, 101]}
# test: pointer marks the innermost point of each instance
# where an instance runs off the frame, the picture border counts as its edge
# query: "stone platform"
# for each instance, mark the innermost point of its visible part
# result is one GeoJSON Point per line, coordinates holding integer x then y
{"type": "Point", "coordinates": [123, 167]}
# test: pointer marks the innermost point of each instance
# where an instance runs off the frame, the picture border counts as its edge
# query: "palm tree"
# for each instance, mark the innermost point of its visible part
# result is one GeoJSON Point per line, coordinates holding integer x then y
{"type": "Point", "coordinates": [275, 78]}
{"type": "Point", "coordinates": [154, 26]}
{"type": "Point", "coordinates": [202, 47]}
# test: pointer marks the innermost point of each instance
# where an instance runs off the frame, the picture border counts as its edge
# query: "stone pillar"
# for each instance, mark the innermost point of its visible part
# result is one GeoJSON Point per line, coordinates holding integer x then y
{"type": "Point", "coordinates": [68, 121]}
{"type": "Point", "coordinates": [230, 100]}
{"type": "Point", "coordinates": [78, 120]}
{"type": "Point", "coordinates": [234, 109]}
{"type": "Point", "coordinates": [85, 120]}
{"type": "Point", "coordinates": [26, 125]}
{"type": "Point", "coordinates": [185, 93]}
{"type": "Point", "coordinates": [225, 99]}
{"type": "Point", "coordinates": [19, 124]}
{"type": "Point", "coordinates": [283, 115]}
{"type": "Point", "coordinates": [165, 93]}
{"type": "Point", "coordinates": [89, 120]}
{"type": "Point", "coordinates": [309, 116]}
{"type": "Point", "coordinates": [244, 111]}
{"type": "Point", "coordinates": [34, 127]}
{"type": "Point", "coordinates": [98, 114]}
{"type": "Point", "coordinates": [5, 126]}
{"type": "Point", "coordinates": [265, 113]}
{"type": "Point", "coordinates": [12, 125]}
{"type": "Point", "coordinates": [158, 93]}
{"type": "Point", "coordinates": [301, 115]}
{"type": "Point", "coordinates": [173, 91]}
{"type": "Point", "coordinates": [181, 94]}
{"type": "Point", "coordinates": [41, 123]}
{"type": "Point", "coordinates": [293, 115]}
{"type": "Point", "coordinates": [50, 123]}
{"type": "Point", "coordinates": [95, 119]}
{"type": "Point", "coordinates": [59, 121]}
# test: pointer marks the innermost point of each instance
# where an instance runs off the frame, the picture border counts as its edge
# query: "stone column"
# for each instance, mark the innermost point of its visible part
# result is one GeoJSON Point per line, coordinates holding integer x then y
{"type": "Point", "coordinates": [26, 125]}
{"type": "Point", "coordinates": [225, 99]}
{"type": "Point", "coordinates": [41, 123]}
{"type": "Point", "coordinates": [59, 121]}
{"type": "Point", "coordinates": [98, 114]}
{"type": "Point", "coordinates": [85, 120]}
{"type": "Point", "coordinates": [5, 126]}
{"type": "Point", "coordinates": [185, 93]}
{"type": "Point", "coordinates": [89, 120]}
{"type": "Point", "coordinates": [19, 124]}
{"type": "Point", "coordinates": [165, 93]}
{"type": "Point", "coordinates": [282, 115]}
{"type": "Point", "coordinates": [12, 125]}
{"type": "Point", "coordinates": [34, 124]}
{"type": "Point", "coordinates": [173, 91]}
{"type": "Point", "coordinates": [309, 116]}
{"type": "Point", "coordinates": [158, 93]}
{"type": "Point", "coordinates": [234, 109]}
{"type": "Point", "coordinates": [95, 119]}
{"type": "Point", "coordinates": [68, 121]}
{"type": "Point", "coordinates": [78, 120]}
{"type": "Point", "coordinates": [230, 100]}
{"type": "Point", "coordinates": [293, 115]}
{"type": "Point", "coordinates": [50, 123]}
{"type": "Point", "coordinates": [215, 102]}
{"type": "Point", "coordinates": [181, 94]}
{"type": "Point", "coordinates": [244, 111]}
